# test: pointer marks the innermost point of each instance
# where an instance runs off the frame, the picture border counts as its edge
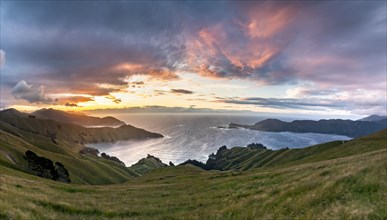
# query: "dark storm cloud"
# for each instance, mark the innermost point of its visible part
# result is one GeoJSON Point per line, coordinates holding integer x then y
{"type": "Point", "coordinates": [181, 91]}
{"type": "Point", "coordinates": [75, 46]}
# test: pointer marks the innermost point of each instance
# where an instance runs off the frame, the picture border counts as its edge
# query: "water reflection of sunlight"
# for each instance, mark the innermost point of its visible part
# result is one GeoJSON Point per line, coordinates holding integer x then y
{"type": "Point", "coordinates": [200, 137]}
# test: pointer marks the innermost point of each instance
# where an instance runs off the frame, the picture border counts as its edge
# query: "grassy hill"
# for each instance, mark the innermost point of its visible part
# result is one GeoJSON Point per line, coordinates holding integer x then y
{"type": "Point", "coordinates": [328, 181]}
{"type": "Point", "coordinates": [244, 158]}
{"type": "Point", "coordinates": [11, 120]}
{"type": "Point", "coordinates": [86, 169]}
{"type": "Point", "coordinates": [62, 142]}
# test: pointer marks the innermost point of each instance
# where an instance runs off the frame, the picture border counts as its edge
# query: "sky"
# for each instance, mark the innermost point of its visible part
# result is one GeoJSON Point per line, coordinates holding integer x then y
{"type": "Point", "coordinates": [288, 57]}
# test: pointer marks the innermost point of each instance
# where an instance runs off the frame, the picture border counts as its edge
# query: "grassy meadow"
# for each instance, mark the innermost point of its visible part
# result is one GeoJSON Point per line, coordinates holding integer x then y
{"type": "Point", "coordinates": [334, 180]}
{"type": "Point", "coordinates": [352, 187]}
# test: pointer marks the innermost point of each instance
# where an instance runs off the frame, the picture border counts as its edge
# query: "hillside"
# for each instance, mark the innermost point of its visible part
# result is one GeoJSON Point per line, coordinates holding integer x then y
{"type": "Point", "coordinates": [61, 143]}
{"type": "Point", "coordinates": [79, 119]}
{"type": "Point", "coordinates": [70, 132]}
{"type": "Point", "coordinates": [344, 181]}
{"type": "Point", "coordinates": [333, 126]}
{"type": "Point", "coordinates": [244, 158]}
{"type": "Point", "coordinates": [86, 169]}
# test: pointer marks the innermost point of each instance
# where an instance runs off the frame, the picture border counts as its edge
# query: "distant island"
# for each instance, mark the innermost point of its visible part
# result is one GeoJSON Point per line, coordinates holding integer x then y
{"type": "Point", "coordinates": [348, 128]}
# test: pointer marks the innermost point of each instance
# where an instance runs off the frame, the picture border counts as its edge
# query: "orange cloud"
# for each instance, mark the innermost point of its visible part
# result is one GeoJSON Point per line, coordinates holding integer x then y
{"type": "Point", "coordinates": [243, 48]}
{"type": "Point", "coordinates": [267, 23]}
{"type": "Point", "coordinates": [160, 73]}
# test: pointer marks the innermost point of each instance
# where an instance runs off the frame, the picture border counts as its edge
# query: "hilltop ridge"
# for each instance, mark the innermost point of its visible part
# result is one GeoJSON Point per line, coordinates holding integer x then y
{"type": "Point", "coordinates": [79, 119]}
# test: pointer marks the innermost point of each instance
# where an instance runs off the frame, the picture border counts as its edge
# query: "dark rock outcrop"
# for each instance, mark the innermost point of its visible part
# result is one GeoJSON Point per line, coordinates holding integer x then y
{"type": "Point", "coordinates": [112, 158]}
{"type": "Point", "coordinates": [95, 152]}
{"type": "Point", "coordinates": [63, 173]}
{"type": "Point", "coordinates": [256, 146]}
{"type": "Point", "coordinates": [44, 167]}
{"type": "Point", "coordinates": [89, 150]}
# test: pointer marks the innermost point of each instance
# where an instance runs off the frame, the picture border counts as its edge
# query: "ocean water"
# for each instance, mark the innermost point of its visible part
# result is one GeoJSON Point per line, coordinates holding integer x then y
{"type": "Point", "coordinates": [195, 136]}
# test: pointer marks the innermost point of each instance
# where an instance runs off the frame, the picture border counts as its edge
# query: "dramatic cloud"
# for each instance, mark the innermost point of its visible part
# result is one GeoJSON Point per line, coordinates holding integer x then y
{"type": "Point", "coordinates": [245, 48]}
{"type": "Point", "coordinates": [277, 42]}
{"type": "Point", "coordinates": [95, 48]}
{"type": "Point", "coordinates": [181, 91]}
{"type": "Point", "coordinates": [270, 42]}
{"type": "Point", "coordinates": [91, 47]}
{"type": "Point", "coordinates": [30, 93]}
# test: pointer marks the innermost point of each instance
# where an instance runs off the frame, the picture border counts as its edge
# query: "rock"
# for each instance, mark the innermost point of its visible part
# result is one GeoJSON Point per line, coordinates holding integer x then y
{"type": "Point", "coordinates": [257, 146]}
{"type": "Point", "coordinates": [112, 158]}
{"type": "Point", "coordinates": [40, 166]}
{"type": "Point", "coordinates": [44, 167]}
{"type": "Point", "coordinates": [63, 173]}
{"type": "Point", "coordinates": [89, 150]}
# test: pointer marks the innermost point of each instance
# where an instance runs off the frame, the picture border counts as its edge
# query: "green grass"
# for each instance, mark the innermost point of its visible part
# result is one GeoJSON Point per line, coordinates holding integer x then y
{"type": "Point", "coordinates": [348, 188]}
{"type": "Point", "coordinates": [245, 158]}
{"type": "Point", "coordinates": [326, 181]}
{"type": "Point", "coordinates": [84, 169]}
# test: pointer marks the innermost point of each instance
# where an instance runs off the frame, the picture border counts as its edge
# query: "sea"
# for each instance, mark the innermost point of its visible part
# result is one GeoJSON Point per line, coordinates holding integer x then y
{"type": "Point", "coordinates": [195, 136]}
